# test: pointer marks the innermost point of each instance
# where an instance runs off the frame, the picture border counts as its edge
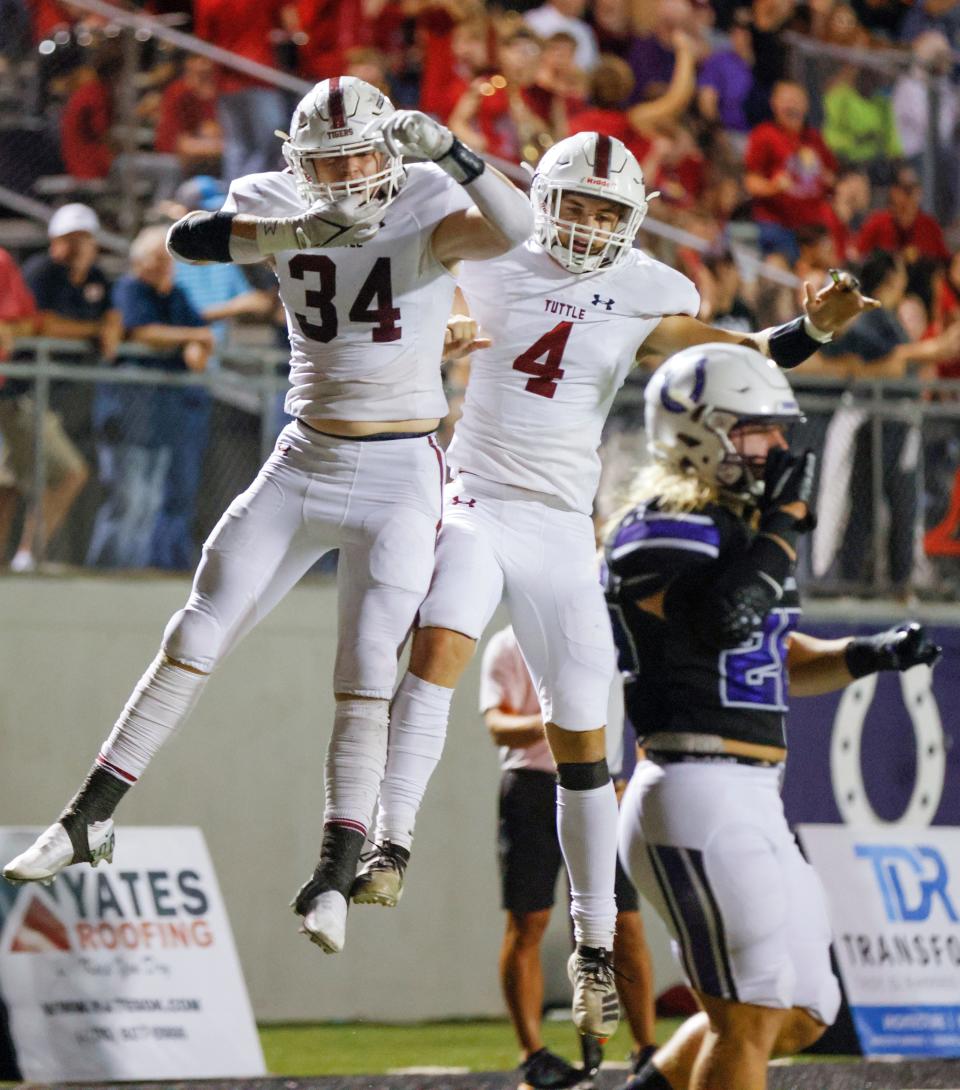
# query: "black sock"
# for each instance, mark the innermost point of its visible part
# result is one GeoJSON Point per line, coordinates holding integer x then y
{"type": "Point", "coordinates": [95, 801]}
{"type": "Point", "coordinates": [339, 858]}
{"type": "Point", "coordinates": [648, 1078]}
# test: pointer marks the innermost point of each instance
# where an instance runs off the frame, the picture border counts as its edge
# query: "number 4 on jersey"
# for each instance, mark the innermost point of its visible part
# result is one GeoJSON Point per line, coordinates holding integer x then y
{"type": "Point", "coordinates": [549, 372]}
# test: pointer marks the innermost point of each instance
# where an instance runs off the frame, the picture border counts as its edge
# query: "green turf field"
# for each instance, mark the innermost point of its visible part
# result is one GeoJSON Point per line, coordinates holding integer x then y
{"type": "Point", "coordinates": [360, 1048]}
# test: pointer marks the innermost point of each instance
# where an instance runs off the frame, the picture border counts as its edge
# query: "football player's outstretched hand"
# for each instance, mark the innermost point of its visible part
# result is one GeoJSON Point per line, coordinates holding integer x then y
{"type": "Point", "coordinates": [410, 132]}
{"type": "Point", "coordinates": [788, 487]}
{"type": "Point", "coordinates": [833, 306]}
{"type": "Point", "coordinates": [462, 337]}
{"type": "Point", "coordinates": [905, 646]}
{"type": "Point", "coordinates": [899, 648]}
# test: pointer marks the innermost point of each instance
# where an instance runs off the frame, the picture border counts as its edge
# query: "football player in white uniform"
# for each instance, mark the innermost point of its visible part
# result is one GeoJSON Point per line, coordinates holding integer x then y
{"type": "Point", "coordinates": [362, 247]}
{"type": "Point", "coordinates": [571, 312]}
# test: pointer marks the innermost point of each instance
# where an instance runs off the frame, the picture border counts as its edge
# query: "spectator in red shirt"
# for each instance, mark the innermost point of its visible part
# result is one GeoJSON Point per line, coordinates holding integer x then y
{"type": "Point", "coordinates": [790, 172]}
{"type": "Point", "coordinates": [249, 111]}
{"type": "Point", "coordinates": [87, 116]}
{"type": "Point", "coordinates": [187, 125]}
{"type": "Point", "coordinates": [901, 226]}
{"type": "Point", "coordinates": [335, 26]}
{"type": "Point", "coordinates": [454, 56]}
{"type": "Point", "coordinates": [508, 115]}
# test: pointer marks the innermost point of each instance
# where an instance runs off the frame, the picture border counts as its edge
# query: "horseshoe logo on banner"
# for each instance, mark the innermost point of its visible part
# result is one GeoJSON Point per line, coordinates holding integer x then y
{"type": "Point", "coordinates": [846, 771]}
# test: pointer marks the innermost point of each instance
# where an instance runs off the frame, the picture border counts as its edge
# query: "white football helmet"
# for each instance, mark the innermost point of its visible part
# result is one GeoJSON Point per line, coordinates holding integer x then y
{"type": "Point", "coordinates": [328, 122]}
{"type": "Point", "coordinates": [596, 166]}
{"type": "Point", "coordinates": [694, 400]}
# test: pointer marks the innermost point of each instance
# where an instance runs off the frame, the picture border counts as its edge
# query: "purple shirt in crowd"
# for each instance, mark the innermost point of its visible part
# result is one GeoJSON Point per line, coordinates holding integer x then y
{"type": "Point", "coordinates": [730, 75]}
{"type": "Point", "coordinates": [652, 66]}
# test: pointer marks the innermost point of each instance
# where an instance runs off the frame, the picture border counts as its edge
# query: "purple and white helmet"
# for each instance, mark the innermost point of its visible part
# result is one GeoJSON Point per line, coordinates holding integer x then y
{"type": "Point", "coordinates": [698, 396]}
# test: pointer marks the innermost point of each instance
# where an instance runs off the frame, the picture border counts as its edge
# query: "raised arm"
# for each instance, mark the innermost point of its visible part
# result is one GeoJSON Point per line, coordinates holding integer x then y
{"type": "Point", "coordinates": [678, 94]}
{"type": "Point", "coordinates": [825, 313]}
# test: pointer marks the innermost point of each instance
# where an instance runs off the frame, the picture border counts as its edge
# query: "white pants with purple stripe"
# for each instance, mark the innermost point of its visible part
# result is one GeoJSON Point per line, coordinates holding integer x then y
{"type": "Point", "coordinates": [707, 843]}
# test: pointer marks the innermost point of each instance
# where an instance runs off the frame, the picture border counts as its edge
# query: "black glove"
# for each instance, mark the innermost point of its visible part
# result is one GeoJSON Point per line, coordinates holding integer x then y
{"type": "Point", "coordinates": [898, 648]}
{"type": "Point", "coordinates": [787, 478]}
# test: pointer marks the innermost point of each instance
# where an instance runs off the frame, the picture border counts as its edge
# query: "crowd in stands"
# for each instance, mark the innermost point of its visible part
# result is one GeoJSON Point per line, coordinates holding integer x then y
{"type": "Point", "coordinates": [809, 135]}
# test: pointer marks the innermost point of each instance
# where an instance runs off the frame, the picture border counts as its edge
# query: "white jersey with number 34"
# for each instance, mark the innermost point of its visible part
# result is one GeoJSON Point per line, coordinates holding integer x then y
{"type": "Point", "coordinates": [563, 344]}
{"type": "Point", "coordinates": [366, 323]}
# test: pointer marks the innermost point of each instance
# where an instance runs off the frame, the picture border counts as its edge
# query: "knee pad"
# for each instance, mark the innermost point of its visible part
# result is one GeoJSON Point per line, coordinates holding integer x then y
{"type": "Point", "coordinates": [193, 638]}
{"type": "Point", "coordinates": [583, 776]}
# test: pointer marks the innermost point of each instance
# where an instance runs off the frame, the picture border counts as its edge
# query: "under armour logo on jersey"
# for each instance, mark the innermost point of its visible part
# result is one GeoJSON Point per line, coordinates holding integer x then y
{"type": "Point", "coordinates": [608, 303]}
{"type": "Point", "coordinates": [464, 503]}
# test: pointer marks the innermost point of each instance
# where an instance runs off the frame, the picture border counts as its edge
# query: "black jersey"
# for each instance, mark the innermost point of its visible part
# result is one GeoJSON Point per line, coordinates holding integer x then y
{"type": "Point", "coordinates": [675, 681]}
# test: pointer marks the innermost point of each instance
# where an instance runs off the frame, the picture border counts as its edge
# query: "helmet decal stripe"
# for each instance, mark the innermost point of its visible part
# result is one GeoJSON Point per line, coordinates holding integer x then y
{"type": "Point", "coordinates": [601, 167]}
{"type": "Point", "coordinates": [337, 117]}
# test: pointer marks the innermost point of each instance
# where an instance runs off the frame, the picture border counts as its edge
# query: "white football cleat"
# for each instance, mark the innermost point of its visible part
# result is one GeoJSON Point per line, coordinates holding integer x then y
{"type": "Point", "coordinates": [53, 850]}
{"type": "Point", "coordinates": [596, 1008]}
{"type": "Point", "coordinates": [380, 881]}
{"type": "Point", "coordinates": [325, 921]}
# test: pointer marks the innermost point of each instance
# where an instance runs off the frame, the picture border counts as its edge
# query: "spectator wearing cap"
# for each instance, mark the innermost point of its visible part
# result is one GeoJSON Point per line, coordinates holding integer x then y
{"type": "Point", "coordinates": [73, 297]}
{"type": "Point", "coordinates": [65, 469]}
{"type": "Point", "coordinates": [790, 172]}
{"type": "Point", "coordinates": [142, 428]}
{"type": "Point", "coordinates": [187, 124]}
{"type": "Point", "coordinates": [901, 227]}
{"type": "Point", "coordinates": [566, 16]}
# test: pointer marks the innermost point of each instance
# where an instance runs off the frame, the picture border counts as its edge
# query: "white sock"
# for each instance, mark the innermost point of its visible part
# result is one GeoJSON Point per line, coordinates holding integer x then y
{"type": "Point", "coordinates": [418, 729]}
{"type": "Point", "coordinates": [355, 762]}
{"type": "Point", "coordinates": [162, 700]}
{"type": "Point", "coordinates": [587, 826]}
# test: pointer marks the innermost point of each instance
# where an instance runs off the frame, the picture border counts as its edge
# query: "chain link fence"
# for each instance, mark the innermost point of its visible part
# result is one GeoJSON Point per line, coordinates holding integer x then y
{"type": "Point", "coordinates": [163, 454]}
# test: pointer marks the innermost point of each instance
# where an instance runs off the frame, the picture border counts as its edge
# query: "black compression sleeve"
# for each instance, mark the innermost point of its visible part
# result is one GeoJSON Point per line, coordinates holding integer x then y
{"type": "Point", "coordinates": [790, 344]}
{"type": "Point", "coordinates": [728, 609]}
{"type": "Point", "coordinates": [203, 237]}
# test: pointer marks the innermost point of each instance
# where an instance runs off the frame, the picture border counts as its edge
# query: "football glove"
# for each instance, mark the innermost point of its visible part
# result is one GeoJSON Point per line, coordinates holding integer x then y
{"type": "Point", "coordinates": [787, 478]}
{"type": "Point", "coordinates": [410, 132]}
{"type": "Point", "coordinates": [899, 648]}
{"type": "Point", "coordinates": [347, 222]}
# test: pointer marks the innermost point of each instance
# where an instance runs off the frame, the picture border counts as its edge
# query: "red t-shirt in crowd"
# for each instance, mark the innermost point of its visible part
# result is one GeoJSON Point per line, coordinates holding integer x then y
{"type": "Point", "coordinates": [16, 299]}
{"type": "Point", "coordinates": [242, 26]}
{"type": "Point", "coordinates": [334, 26]}
{"type": "Point", "coordinates": [85, 129]}
{"type": "Point", "coordinates": [182, 110]}
{"type": "Point", "coordinates": [612, 123]}
{"type": "Point", "coordinates": [882, 232]}
{"type": "Point", "coordinates": [772, 150]}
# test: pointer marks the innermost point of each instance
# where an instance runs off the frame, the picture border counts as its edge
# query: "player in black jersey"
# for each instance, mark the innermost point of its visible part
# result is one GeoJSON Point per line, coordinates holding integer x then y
{"type": "Point", "coordinates": [699, 578]}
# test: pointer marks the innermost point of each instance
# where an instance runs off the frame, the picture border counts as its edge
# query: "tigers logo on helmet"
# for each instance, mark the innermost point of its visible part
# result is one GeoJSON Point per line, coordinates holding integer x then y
{"type": "Point", "coordinates": [328, 123]}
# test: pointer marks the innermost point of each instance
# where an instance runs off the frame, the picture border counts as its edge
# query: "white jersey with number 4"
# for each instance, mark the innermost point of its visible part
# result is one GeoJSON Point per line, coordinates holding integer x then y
{"type": "Point", "coordinates": [563, 344]}
{"type": "Point", "coordinates": [366, 323]}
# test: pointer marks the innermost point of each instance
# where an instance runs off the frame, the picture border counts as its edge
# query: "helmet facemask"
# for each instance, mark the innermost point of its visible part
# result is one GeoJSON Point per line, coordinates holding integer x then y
{"type": "Point", "coordinates": [586, 249]}
{"type": "Point", "coordinates": [381, 186]}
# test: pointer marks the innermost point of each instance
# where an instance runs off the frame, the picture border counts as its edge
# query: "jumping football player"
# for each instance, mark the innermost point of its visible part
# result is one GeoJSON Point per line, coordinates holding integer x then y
{"type": "Point", "coordinates": [573, 310]}
{"type": "Point", "coordinates": [701, 587]}
{"type": "Point", "coordinates": [363, 249]}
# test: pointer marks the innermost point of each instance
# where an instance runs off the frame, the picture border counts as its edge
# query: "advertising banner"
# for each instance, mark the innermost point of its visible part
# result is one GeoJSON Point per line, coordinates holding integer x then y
{"type": "Point", "coordinates": [894, 896]}
{"type": "Point", "coordinates": [126, 971]}
{"type": "Point", "coordinates": [883, 750]}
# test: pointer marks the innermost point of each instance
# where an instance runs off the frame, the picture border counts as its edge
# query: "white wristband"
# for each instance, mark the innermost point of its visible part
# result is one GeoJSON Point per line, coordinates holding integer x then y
{"type": "Point", "coordinates": [816, 334]}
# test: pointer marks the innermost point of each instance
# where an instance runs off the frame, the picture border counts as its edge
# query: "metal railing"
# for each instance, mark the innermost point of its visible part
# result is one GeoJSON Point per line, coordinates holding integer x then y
{"type": "Point", "coordinates": [890, 455]}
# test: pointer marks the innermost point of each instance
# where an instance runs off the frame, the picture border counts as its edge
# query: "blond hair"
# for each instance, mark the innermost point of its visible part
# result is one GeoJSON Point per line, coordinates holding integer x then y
{"type": "Point", "coordinates": [676, 493]}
